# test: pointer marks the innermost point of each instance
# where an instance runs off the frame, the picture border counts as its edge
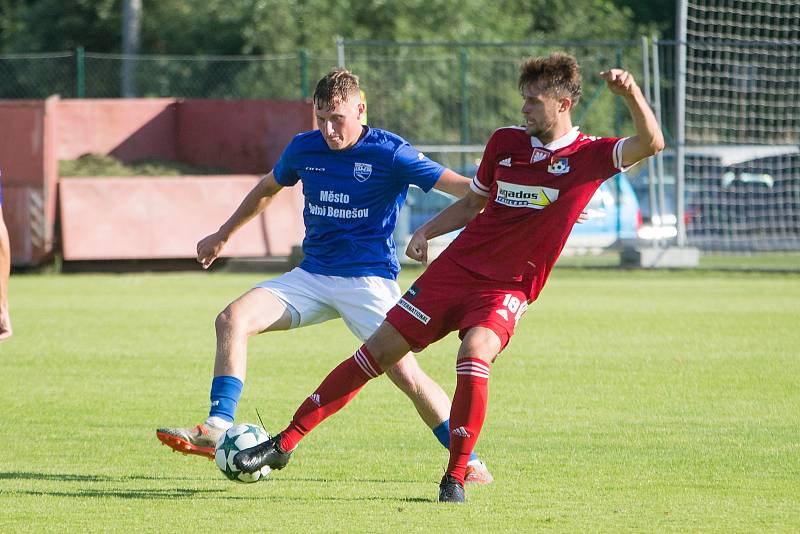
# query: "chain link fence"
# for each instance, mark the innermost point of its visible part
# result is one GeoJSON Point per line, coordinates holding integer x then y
{"type": "Point", "coordinates": [450, 97]}
{"type": "Point", "coordinates": [80, 74]}
{"type": "Point", "coordinates": [444, 93]}
{"type": "Point", "coordinates": [459, 93]}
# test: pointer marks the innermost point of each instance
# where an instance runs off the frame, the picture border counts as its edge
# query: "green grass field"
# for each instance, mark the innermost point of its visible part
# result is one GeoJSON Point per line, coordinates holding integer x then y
{"type": "Point", "coordinates": [627, 402]}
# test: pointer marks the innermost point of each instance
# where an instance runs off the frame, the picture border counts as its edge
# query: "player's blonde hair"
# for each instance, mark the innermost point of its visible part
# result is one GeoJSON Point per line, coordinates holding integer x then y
{"type": "Point", "coordinates": [557, 74]}
{"type": "Point", "coordinates": [339, 85]}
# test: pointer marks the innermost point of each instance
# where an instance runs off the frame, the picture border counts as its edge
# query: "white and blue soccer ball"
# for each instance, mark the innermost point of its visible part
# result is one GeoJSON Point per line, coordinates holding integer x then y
{"type": "Point", "coordinates": [232, 441]}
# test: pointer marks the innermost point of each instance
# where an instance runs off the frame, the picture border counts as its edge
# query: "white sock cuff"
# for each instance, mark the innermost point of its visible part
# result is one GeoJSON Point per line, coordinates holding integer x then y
{"type": "Point", "coordinates": [218, 422]}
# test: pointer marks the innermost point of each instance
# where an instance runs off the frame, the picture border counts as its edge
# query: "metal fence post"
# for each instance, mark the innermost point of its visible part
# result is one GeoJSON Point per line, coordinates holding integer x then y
{"type": "Point", "coordinates": [304, 74]}
{"type": "Point", "coordinates": [617, 130]}
{"type": "Point", "coordinates": [617, 103]}
{"type": "Point", "coordinates": [662, 198]}
{"type": "Point", "coordinates": [651, 164]}
{"type": "Point", "coordinates": [680, 119]}
{"type": "Point", "coordinates": [80, 72]}
{"type": "Point", "coordinates": [464, 66]}
{"type": "Point", "coordinates": [340, 51]}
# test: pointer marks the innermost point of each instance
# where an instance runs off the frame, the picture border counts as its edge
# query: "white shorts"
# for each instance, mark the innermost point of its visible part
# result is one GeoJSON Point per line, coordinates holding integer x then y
{"type": "Point", "coordinates": [361, 301]}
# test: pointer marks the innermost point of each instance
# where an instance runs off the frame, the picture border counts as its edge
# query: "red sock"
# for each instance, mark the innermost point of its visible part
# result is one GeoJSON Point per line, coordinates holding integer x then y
{"type": "Point", "coordinates": [336, 390]}
{"type": "Point", "coordinates": [467, 413]}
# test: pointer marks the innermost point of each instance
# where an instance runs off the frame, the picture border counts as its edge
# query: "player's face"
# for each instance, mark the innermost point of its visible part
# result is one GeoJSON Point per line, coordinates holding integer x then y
{"type": "Point", "coordinates": [543, 112]}
{"type": "Point", "coordinates": [340, 123]}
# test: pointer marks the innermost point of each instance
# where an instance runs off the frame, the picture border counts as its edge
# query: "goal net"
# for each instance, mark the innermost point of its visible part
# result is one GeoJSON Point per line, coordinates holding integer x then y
{"type": "Point", "coordinates": [742, 125]}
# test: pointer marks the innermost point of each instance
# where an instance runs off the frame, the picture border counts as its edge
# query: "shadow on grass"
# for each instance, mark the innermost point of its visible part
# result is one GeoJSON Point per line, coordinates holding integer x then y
{"type": "Point", "coordinates": [161, 494]}
{"type": "Point", "coordinates": [146, 494]}
{"type": "Point", "coordinates": [71, 477]}
{"type": "Point", "coordinates": [183, 493]}
{"type": "Point", "coordinates": [345, 480]}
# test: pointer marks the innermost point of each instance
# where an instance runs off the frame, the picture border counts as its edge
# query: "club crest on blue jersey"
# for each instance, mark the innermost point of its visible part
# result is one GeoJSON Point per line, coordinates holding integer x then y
{"type": "Point", "coordinates": [362, 171]}
{"type": "Point", "coordinates": [559, 166]}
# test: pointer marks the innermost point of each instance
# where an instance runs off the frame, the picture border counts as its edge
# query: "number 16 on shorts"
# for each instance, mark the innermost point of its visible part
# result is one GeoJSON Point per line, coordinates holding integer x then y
{"type": "Point", "coordinates": [512, 307]}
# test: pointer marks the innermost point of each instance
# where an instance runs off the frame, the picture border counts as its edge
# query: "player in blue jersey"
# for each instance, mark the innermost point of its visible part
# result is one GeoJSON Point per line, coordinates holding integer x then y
{"type": "Point", "coordinates": [5, 269]}
{"type": "Point", "coordinates": [355, 179]}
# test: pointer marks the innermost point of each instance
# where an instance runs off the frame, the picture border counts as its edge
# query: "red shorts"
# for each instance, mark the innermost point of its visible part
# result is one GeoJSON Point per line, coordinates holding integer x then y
{"type": "Point", "coordinates": [448, 297]}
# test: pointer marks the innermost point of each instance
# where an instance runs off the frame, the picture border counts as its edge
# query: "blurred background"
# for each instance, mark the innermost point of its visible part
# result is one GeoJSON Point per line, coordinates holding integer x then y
{"type": "Point", "coordinates": [123, 118]}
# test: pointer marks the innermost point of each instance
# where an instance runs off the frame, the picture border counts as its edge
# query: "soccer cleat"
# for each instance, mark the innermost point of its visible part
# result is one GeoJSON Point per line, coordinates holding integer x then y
{"type": "Point", "coordinates": [451, 490]}
{"type": "Point", "coordinates": [478, 473]}
{"type": "Point", "coordinates": [200, 440]}
{"type": "Point", "coordinates": [267, 453]}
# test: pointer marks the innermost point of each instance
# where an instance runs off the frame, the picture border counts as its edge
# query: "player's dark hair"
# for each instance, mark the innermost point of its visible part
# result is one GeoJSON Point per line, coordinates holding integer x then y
{"type": "Point", "coordinates": [557, 74]}
{"type": "Point", "coordinates": [339, 85]}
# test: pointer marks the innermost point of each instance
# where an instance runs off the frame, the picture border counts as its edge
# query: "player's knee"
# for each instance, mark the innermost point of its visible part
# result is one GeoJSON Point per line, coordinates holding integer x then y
{"type": "Point", "coordinates": [227, 321]}
{"type": "Point", "coordinates": [387, 346]}
{"type": "Point", "coordinates": [223, 320]}
{"type": "Point", "coordinates": [481, 343]}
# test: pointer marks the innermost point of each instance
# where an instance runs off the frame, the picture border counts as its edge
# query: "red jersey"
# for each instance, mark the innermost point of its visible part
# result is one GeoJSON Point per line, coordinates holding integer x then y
{"type": "Point", "coordinates": [536, 193]}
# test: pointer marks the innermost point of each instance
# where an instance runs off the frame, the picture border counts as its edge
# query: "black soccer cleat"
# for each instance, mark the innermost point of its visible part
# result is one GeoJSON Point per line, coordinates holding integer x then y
{"type": "Point", "coordinates": [451, 490]}
{"type": "Point", "coordinates": [267, 453]}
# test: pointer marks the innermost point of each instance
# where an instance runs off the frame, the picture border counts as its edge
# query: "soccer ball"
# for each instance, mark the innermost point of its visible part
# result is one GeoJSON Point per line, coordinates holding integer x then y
{"type": "Point", "coordinates": [232, 441]}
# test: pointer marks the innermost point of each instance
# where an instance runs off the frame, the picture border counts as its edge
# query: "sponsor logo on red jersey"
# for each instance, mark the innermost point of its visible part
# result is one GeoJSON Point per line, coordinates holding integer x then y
{"type": "Point", "coordinates": [525, 196]}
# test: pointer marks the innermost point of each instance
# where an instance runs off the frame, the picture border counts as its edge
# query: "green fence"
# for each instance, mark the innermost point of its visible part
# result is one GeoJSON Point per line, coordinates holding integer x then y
{"type": "Point", "coordinates": [80, 74]}
{"type": "Point", "coordinates": [459, 93]}
{"type": "Point", "coordinates": [446, 93]}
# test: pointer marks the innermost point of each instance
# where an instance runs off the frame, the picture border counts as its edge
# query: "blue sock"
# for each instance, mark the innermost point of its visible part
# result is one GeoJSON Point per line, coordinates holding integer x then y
{"type": "Point", "coordinates": [225, 394]}
{"type": "Point", "coordinates": [442, 433]}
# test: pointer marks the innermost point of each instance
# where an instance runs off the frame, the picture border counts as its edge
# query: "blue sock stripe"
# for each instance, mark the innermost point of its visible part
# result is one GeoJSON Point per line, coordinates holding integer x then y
{"type": "Point", "coordinates": [442, 433]}
{"type": "Point", "coordinates": [225, 394]}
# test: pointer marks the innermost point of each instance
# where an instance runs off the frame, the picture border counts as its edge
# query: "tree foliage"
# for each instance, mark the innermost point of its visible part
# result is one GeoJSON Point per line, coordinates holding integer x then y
{"type": "Point", "coordinates": [274, 26]}
{"type": "Point", "coordinates": [438, 93]}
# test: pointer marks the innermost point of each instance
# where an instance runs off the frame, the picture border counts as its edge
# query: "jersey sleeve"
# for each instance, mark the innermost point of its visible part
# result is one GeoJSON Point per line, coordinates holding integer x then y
{"type": "Point", "coordinates": [285, 172]}
{"type": "Point", "coordinates": [411, 166]}
{"type": "Point", "coordinates": [606, 156]}
{"type": "Point", "coordinates": [484, 178]}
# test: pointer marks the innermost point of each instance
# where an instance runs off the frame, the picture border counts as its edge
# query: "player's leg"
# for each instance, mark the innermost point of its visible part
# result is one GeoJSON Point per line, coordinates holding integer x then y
{"type": "Point", "coordinates": [475, 356]}
{"type": "Point", "coordinates": [405, 326]}
{"type": "Point", "coordinates": [258, 310]}
{"type": "Point", "coordinates": [478, 349]}
{"type": "Point", "coordinates": [486, 324]}
{"type": "Point", "coordinates": [433, 406]}
{"type": "Point", "coordinates": [288, 301]}
{"type": "Point", "coordinates": [381, 351]}
{"type": "Point", "coordinates": [363, 303]}
{"type": "Point", "coordinates": [429, 399]}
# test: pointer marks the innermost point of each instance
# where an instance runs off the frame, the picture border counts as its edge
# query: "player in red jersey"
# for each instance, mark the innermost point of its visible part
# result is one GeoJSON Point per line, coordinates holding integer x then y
{"type": "Point", "coordinates": [531, 186]}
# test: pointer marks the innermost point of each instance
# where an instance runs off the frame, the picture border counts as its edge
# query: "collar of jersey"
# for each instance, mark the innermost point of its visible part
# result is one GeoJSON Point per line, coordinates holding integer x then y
{"type": "Point", "coordinates": [565, 140]}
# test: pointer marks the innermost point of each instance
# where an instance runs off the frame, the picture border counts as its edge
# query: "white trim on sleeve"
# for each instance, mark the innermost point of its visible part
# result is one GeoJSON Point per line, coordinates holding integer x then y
{"type": "Point", "coordinates": [479, 188]}
{"type": "Point", "coordinates": [617, 155]}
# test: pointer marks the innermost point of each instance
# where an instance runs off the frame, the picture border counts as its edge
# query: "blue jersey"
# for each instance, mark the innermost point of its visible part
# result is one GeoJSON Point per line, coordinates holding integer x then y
{"type": "Point", "coordinates": [352, 199]}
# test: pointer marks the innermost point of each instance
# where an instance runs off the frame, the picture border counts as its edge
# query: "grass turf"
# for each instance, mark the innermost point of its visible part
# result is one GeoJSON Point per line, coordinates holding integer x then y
{"type": "Point", "coordinates": [628, 401]}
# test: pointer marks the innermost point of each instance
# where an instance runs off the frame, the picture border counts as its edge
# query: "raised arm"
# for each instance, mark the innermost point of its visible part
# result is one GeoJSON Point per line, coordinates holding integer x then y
{"type": "Point", "coordinates": [452, 217]}
{"type": "Point", "coordinates": [453, 183]}
{"type": "Point", "coordinates": [210, 247]}
{"type": "Point", "coordinates": [648, 139]}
